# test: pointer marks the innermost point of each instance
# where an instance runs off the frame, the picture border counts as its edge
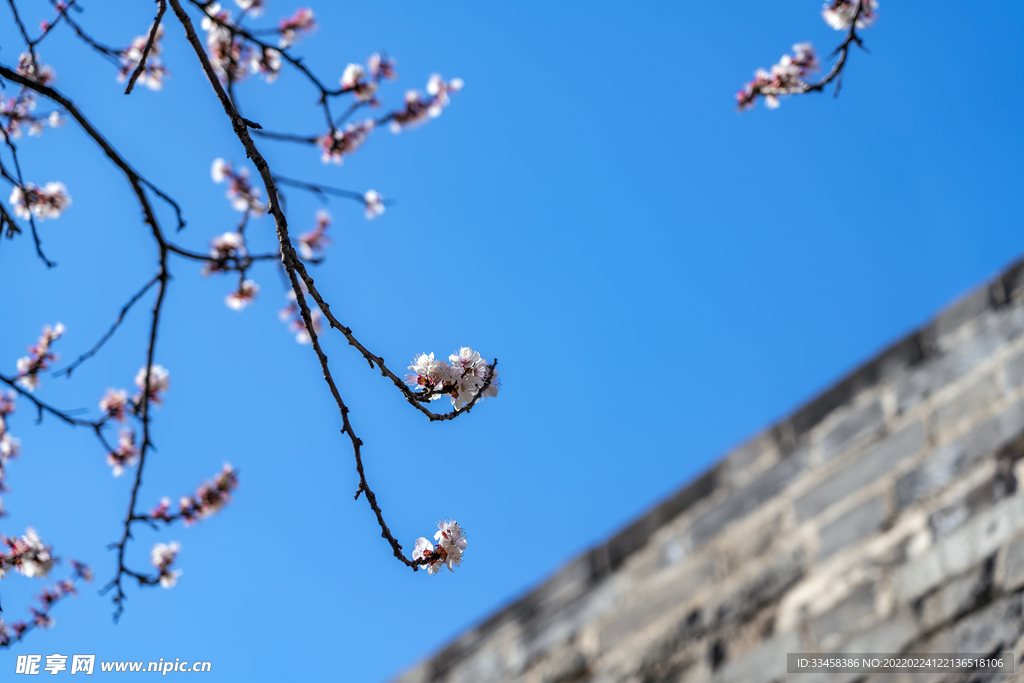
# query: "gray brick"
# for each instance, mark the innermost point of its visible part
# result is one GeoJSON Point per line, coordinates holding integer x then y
{"type": "Point", "coordinates": [862, 471]}
{"type": "Point", "coordinates": [761, 591]}
{"type": "Point", "coordinates": [954, 597]}
{"type": "Point", "coordinates": [659, 602]}
{"type": "Point", "coordinates": [766, 662]}
{"type": "Point", "coordinates": [1015, 370]}
{"type": "Point", "coordinates": [855, 525]}
{"type": "Point", "coordinates": [862, 423]}
{"type": "Point", "coordinates": [953, 459]}
{"type": "Point", "coordinates": [850, 615]}
{"type": "Point", "coordinates": [978, 395]}
{"type": "Point", "coordinates": [964, 310]}
{"type": "Point", "coordinates": [742, 501]}
{"type": "Point", "coordinates": [891, 635]}
{"type": "Point", "coordinates": [1011, 569]}
{"type": "Point", "coordinates": [997, 626]}
{"type": "Point", "coordinates": [946, 369]}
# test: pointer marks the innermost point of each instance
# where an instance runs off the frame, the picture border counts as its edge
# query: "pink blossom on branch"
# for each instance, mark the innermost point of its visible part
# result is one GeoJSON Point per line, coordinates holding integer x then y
{"type": "Point", "coordinates": [461, 378]}
{"type": "Point", "coordinates": [353, 80]}
{"type": "Point", "coordinates": [230, 245]}
{"type": "Point", "coordinates": [114, 403]}
{"type": "Point", "coordinates": [159, 382]}
{"type": "Point", "coordinates": [27, 555]}
{"type": "Point", "coordinates": [154, 74]}
{"type": "Point", "coordinates": [41, 202]}
{"type": "Point", "coordinates": [382, 67]}
{"type": "Point", "coordinates": [293, 316]}
{"type": "Point", "coordinates": [126, 454]}
{"type": "Point", "coordinates": [210, 497]}
{"type": "Point", "coordinates": [302, 21]}
{"type": "Point", "coordinates": [245, 295]}
{"type": "Point", "coordinates": [40, 357]}
{"type": "Point", "coordinates": [374, 204]}
{"type": "Point", "coordinates": [839, 14]}
{"type": "Point", "coordinates": [34, 70]}
{"type": "Point", "coordinates": [786, 77]}
{"type": "Point", "coordinates": [418, 109]}
{"type": "Point", "coordinates": [19, 113]}
{"type": "Point", "coordinates": [335, 144]}
{"type": "Point", "coordinates": [243, 196]}
{"type": "Point", "coordinates": [162, 556]}
{"type": "Point", "coordinates": [313, 242]}
{"type": "Point", "coordinates": [451, 544]}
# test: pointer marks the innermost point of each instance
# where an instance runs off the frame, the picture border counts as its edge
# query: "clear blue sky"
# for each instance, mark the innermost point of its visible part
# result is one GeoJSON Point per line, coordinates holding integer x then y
{"type": "Point", "coordinates": [659, 276]}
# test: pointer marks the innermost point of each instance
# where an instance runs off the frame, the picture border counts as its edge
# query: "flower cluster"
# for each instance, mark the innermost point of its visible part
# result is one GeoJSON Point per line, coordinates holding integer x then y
{"type": "Point", "coordinates": [451, 543]}
{"type": "Point", "coordinates": [313, 242]}
{"type": "Point", "coordinates": [210, 497]}
{"type": "Point", "coordinates": [39, 357]}
{"type": "Point", "coordinates": [27, 555]}
{"type": "Point", "coordinates": [30, 67]}
{"type": "Point", "coordinates": [159, 382]}
{"type": "Point", "coordinates": [243, 196]}
{"type": "Point", "coordinates": [228, 54]}
{"type": "Point", "coordinates": [10, 446]}
{"type": "Point", "coordinates": [125, 455]}
{"type": "Point", "coordinates": [252, 7]}
{"type": "Point", "coordinates": [243, 296]}
{"type": "Point", "coordinates": [293, 316]}
{"type": "Point", "coordinates": [419, 108]}
{"type": "Point", "coordinates": [154, 74]}
{"type": "Point", "coordinates": [19, 112]}
{"type": "Point", "coordinates": [229, 246]}
{"type": "Point", "coordinates": [48, 598]}
{"type": "Point", "coordinates": [839, 14]}
{"type": "Point", "coordinates": [461, 378]}
{"type": "Point", "coordinates": [41, 202]}
{"type": "Point", "coordinates": [786, 77]}
{"type": "Point", "coordinates": [337, 143]}
{"type": "Point", "coordinates": [302, 21]}
{"type": "Point", "coordinates": [353, 80]}
{"type": "Point", "coordinates": [162, 556]}
{"type": "Point", "coordinates": [266, 62]}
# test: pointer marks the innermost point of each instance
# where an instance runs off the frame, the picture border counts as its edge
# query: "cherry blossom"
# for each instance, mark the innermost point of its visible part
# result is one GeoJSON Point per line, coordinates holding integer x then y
{"type": "Point", "coordinates": [839, 13]}
{"type": "Point", "coordinates": [159, 382]}
{"type": "Point", "coordinates": [243, 196]}
{"type": "Point", "coordinates": [27, 555]}
{"type": "Point", "coordinates": [210, 497]}
{"type": "Point", "coordinates": [228, 54]}
{"type": "Point", "coordinates": [162, 556]}
{"type": "Point", "coordinates": [293, 316]}
{"type": "Point", "coordinates": [418, 109]}
{"type": "Point", "coordinates": [252, 7]}
{"type": "Point", "coordinates": [41, 202]}
{"type": "Point", "coordinates": [302, 21]}
{"type": "Point", "coordinates": [244, 296]}
{"type": "Point", "coordinates": [31, 68]}
{"type": "Point", "coordinates": [382, 66]}
{"type": "Point", "coordinates": [114, 402]}
{"type": "Point", "coordinates": [230, 245]}
{"type": "Point", "coordinates": [19, 112]}
{"type": "Point", "coordinates": [266, 62]}
{"type": "Point", "coordinates": [313, 242]}
{"type": "Point", "coordinates": [154, 74]}
{"type": "Point", "coordinates": [353, 80]}
{"type": "Point", "coordinates": [374, 204]}
{"type": "Point", "coordinates": [340, 142]}
{"type": "Point", "coordinates": [39, 358]}
{"type": "Point", "coordinates": [461, 379]}
{"type": "Point", "coordinates": [161, 511]}
{"type": "Point", "coordinates": [126, 454]}
{"type": "Point", "coordinates": [786, 77]}
{"type": "Point", "coordinates": [451, 544]}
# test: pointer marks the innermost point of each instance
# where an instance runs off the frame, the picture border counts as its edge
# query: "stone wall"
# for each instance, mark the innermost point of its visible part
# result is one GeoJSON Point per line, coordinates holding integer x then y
{"type": "Point", "coordinates": [883, 516]}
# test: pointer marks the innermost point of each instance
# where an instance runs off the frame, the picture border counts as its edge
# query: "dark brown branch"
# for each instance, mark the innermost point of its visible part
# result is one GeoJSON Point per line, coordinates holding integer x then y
{"type": "Point", "coordinates": [149, 45]}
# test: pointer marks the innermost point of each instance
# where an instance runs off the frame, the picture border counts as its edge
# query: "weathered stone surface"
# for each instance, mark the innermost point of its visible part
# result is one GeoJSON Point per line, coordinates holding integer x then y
{"type": "Point", "coordinates": [767, 662]}
{"type": "Point", "coordinates": [1015, 370]}
{"type": "Point", "coordinates": [862, 470]}
{"type": "Point", "coordinates": [763, 589]}
{"type": "Point", "coordinates": [858, 425]}
{"type": "Point", "coordinates": [857, 524]}
{"type": "Point", "coordinates": [741, 502]}
{"type": "Point", "coordinates": [849, 615]}
{"type": "Point", "coordinates": [1011, 569]}
{"type": "Point", "coordinates": [954, 597]}
{"type": "Point", "coordinates": [976, 396]}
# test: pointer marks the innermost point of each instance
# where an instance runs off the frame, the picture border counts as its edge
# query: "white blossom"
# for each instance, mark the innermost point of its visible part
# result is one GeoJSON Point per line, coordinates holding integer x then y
{"type": "Point", "coordinates": [374, 204]}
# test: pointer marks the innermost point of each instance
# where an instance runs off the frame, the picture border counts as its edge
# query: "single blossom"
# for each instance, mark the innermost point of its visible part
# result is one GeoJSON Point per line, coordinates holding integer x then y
{"type": "Point", "coordinates": [253, 7]}
{"type": "Point", "coordinates": [302, 21]}
{"type": "Point", "coordinates": [113, 404]}
{"type": "Point", "coordinates": [125, 455]}
{"type": "Point", "coordinates": [374, 204]}
{"type": "Point", "coordinates": [159, 382]}
{"type": "Point", "coordinates": [245, 295]}
{"type": "Point", "coordinates": [353, 80]}
{"type": "Point", "coordinates": [313, 242]}
{"type": "Point", "coordinates": [162, 556]}
{"type": "Point", "coordinates": [266, 62]}
{"type": "Point", "coordinates": [382, 67]}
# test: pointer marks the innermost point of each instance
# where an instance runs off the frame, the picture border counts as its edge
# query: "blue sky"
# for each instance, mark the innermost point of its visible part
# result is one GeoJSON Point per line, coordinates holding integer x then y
{"type": "Point", "coordinates": [660, 277]}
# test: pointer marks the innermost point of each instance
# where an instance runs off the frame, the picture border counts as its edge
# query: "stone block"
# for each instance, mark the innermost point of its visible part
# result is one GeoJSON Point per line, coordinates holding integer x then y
{"type": "Point", "coordinates": [1011, 565]}
{"type": "Point", "coordinates": [976, 396]}
{"type": "Point", "coordinates": [954, 597]}
{"type": "Point", "coordinates": [850, 615]}
{"type": "Point", "coordinates": [1015, 370]}
{"type": "Point", "coordinates": [863, 470]}
{"type": "Point", "coordinates": [766, 662]}
{"type": "Point", "coordinates": [742, 501]}
{"type": "Point", "coordinates": [947, 368]}
{"type": "Point", "coordinates": [860, 424]}
{"type": "Point", "coordinates": [995, 627]}
{"type": "Point", "coordinates": [855, 525]}
{"type": "Point", "coordinates": [760, 591]}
